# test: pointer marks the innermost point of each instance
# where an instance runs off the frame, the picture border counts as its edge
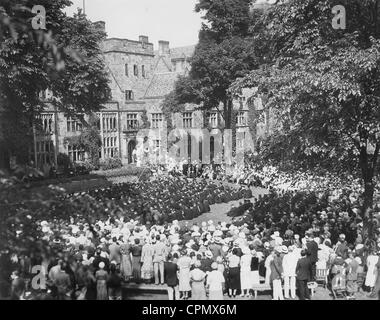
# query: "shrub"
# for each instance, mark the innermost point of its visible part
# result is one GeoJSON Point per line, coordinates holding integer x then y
{"type": "Point", "coordinates": [88, 165]}
{"type": "Point", "coordinates": [110, 163]}
{"type": "Point", "coordinates": [63, 160]}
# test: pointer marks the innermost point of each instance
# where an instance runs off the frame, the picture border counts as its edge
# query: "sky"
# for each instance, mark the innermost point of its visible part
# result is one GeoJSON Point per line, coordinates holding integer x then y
{"type": "Point", "coordinates": [171, 20]}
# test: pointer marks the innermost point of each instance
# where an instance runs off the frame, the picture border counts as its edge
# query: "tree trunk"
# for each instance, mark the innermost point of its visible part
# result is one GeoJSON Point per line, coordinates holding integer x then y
{"type": "Point", "coordinates": [227, 110]}
{"type": "Point", "coordinates": [368, 168]}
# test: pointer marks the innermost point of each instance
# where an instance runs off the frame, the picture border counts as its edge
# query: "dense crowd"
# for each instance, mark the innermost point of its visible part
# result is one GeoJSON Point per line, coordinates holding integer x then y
{"type": "Point", "coordinates": [286, 239]}
{"type": "Point", "coordinates": [206, 261]}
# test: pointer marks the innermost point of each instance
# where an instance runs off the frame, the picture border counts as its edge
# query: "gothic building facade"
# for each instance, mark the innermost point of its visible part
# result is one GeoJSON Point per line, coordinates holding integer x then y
{"type": "Point", "coordinates": [140, 78]}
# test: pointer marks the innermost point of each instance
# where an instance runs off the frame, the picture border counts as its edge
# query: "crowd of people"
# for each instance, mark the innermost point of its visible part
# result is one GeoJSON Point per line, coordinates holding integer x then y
{"type": "Point", "coordinates": [285, 239]}
{"type": "Point", "coordinates": [206, 261]}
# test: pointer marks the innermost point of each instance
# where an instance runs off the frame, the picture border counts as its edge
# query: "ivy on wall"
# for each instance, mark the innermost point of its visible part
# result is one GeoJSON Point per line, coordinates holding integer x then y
{"type": "Point", "coordinates": [145, 123]}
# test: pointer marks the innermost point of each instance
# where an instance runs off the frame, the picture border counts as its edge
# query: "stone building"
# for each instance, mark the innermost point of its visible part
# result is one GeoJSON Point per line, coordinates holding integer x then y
{"type": "Point", "coordinates": [140, 78]}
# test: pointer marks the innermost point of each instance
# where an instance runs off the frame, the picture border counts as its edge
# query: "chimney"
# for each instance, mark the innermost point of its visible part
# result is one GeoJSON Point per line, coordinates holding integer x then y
{"type": "Point", "coordinates": [163, 47]}
{"type": "Point", "coordinates": [100, 25]}
{"type": "Point", "coordinates": [143, 39]}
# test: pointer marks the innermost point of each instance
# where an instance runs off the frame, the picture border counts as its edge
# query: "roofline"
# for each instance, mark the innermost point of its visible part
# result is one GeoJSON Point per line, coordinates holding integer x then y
{"type": "Point", "coordinates": [129, 52]}
{"type": "Point", "coordinates": [135, 41]}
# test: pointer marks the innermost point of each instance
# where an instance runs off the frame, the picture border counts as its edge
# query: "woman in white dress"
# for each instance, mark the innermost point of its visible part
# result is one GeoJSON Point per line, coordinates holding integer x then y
{"type": "Point", "coordinates": [371, 276]}
{"type": "Point", "coordinates": [245, 272]}
{"type": "Point", "coordinates": [215, 283]}
{"type": "Point", "coordinates": [184, 263]}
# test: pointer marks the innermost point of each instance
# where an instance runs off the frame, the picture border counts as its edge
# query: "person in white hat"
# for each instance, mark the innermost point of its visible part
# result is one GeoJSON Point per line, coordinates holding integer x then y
{"type": "Point", "coordinates": [197, 277]}
{"type": "Point", "coordinates": [245, 272]}
{"type": "Point", "coordinates": [289, 264]}
{"type": "Point", "coordinates": [101, 282]}
{"type": "Point", "coordinates": [215, 283]}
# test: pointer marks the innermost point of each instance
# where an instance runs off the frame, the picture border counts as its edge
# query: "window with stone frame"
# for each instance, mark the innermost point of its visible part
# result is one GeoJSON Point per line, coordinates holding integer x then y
{"type": "Point", "coordinates": [132, 121]}
{"type": "Point", "coordinates": [129, 95]}
{"type": "Point", "coordinates": [213, 119]}
{"type": "Point", "coordinates": [135, 70]}
{"type": "Point", "coordinates": [187, 118]}
{"type": "Point", "coordinates": [109, 122]}
{"type": "Point", "coordinates": [46, 123]}
{"type": "Point", "coordinates": [157, 119]}
{"type": "Point", "coordinates": [45, 152]}
{"type": "Point", "coordinates": [110, 147]}
{"type": "Point", "coordinates": [143, 74]}
{"type": "Point", "coordinates": [241, 118]}
{"type": "Point", "coordinates": [73, 124]}
{"type": "Point", "coordinates": [76, 153]}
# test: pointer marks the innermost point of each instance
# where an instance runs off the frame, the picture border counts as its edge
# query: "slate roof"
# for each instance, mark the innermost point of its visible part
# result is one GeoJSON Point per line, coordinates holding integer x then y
{"type": "Point", "coordinates": [161, 85]}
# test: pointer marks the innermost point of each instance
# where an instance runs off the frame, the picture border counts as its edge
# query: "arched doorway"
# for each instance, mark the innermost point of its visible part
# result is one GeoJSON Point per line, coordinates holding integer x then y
{"type": "Point", "coordinates": [131, 147]}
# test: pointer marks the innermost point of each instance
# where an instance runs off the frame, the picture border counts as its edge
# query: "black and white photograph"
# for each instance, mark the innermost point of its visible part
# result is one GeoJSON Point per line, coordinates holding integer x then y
{"type": "Point", "coordinates": [223, 152]}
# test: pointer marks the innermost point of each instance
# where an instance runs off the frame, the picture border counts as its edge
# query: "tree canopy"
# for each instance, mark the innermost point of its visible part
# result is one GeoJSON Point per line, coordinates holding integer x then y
{"type": "Point", "coordinates": [65, 58]}
{"type": "Point", "coordinates": [225, 51]}
{"type": "Point", "coordinates": [323, 84]}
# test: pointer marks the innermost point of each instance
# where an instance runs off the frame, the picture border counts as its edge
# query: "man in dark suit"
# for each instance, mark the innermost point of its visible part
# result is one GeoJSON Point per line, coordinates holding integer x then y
{"type": "Point", "coordinates": [171, 278]}
{"type": "Point", "coordinates": [303, 273]}
{"type": "Point", "coordinates": [312, 248]}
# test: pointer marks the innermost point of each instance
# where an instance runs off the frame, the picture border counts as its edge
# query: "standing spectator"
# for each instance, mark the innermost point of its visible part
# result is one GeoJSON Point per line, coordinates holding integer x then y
{"type": "Point", "coordinates": [136, 261]}
{"type": "Point", "coordinates": [352, 275]}
{"type": "Point", "coordinates": [101, 282]}
{"type": "Point", "coordinates": [158, 261]}
{"type": "Point", "coordinates": [277, 274]}
{"type": "Point", "coordinates": [303, 272]}
{"type": "Point", "coordinates": [376, 290]}
{"type": "Point", "coordinates": [90, 283]}
{"type": "Point", "coordinates": [147, 253]}
{"type": "Point", "coordinates": [62, 283]}
{"type": "Point", "coordinates": [255, 277]}
{"type": "Point", "coordinates": [17, 287]}
{"type": "Point", "coordinates": [233, 273]}
{"type": "Point", "coordinates": [171, 278]}
{"type": "Point", "coordinates": [114, 249]}
{"type": "Point", "coordinates": [114, 284]}
{"type": "Point", "coordinates": [341, 247]}
{"type": "Point", "coordinates": [184, 263]}
{"type": "Point", "coordinates": [371, 276]}
{"type": "Point", "coordinates": [245, 272]}
{"type": "Point", "coordinates": [267, 264]}
{"type": "Point", "coordinates": [126, 263]}
{"type": "Point", "coordinates": [312, 248]}
{"type": "Point", "coordinates": [289, 264]}
{"type": "Point", "coordinates": [215, 282]}
{"type": "Point", "coordinates": [197, 278]}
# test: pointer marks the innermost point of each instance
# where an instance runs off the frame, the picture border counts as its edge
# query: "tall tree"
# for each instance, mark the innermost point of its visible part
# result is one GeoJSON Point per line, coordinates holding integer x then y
{"type": "Point", "coordinates": [225, 51]}
{"type": "Point", "coordinates": [65, 58]}
{"type": "Point", "coordinates": [323, 84]}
